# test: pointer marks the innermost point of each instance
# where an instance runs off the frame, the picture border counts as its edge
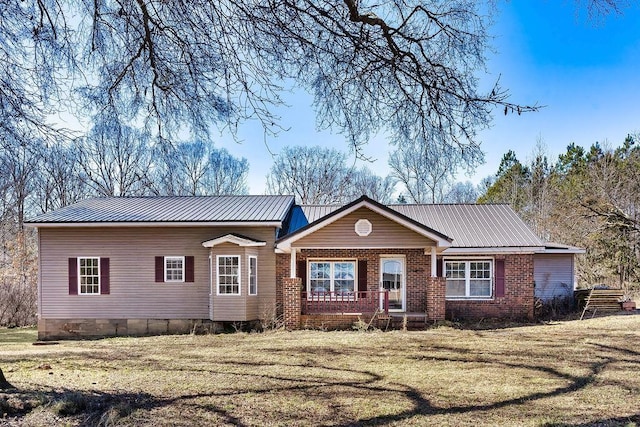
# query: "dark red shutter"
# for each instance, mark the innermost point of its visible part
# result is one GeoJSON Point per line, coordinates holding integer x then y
{"type": "Point", "coordinates": [439, 263]}
{"type": "Point", "coordinates": [301, 272]}
{"type": "Point", "coordinates": [105, 285]}
{"type": "Point", "coordinates": [499, 277]}
{"type": "Point", "coordinates": [73, 276]}
{"type": "Point", "coordinates": [189, 269]}
{"type": "Point", "coordinates": [159, 269]}
{"type": "Point", "coordinates": [362, 275]}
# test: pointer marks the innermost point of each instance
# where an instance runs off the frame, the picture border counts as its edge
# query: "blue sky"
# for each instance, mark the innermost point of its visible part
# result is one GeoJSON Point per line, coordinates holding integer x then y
{"type": "Point", "coordinates": [586, 72]}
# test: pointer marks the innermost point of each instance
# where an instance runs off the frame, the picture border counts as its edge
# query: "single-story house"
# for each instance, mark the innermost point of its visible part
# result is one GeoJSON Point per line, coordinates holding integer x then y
{"type": "Point", "coordinates": [149, 265]}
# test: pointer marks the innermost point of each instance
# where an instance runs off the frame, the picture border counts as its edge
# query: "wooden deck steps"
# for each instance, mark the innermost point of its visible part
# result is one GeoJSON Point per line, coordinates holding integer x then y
{"type": "Point", "coordinates": [414, 321]}
{"type": "Point", "coordinates": [599, 300]}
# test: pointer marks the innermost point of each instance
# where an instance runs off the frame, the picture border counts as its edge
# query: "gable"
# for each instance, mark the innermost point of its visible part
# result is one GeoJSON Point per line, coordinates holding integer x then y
{"type": "Point", "coordinates": [385, 233]}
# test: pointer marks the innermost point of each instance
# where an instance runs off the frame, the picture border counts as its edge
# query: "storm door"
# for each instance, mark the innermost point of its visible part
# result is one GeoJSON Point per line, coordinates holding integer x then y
{"type": "Point", "coordinates": [392, 278]}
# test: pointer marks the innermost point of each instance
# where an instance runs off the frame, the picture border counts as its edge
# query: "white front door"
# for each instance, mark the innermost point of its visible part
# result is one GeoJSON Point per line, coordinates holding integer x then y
{"type": "Point", "coordinates": [392, 279]}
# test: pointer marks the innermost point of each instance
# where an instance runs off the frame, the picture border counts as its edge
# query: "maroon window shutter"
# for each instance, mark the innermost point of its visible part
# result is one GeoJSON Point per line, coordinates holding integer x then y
{"type": "Point", "coordinates": [499, 277]}
{"type": "Point", "coordinates": [439, 272]}
{"type": "Point", "coordinates": [301, 272]}
{"type": "Point", "coordinates": [105, 285]}
{"type": "Point", "coordinates": [362, 275]}
{"type": "Point", "coordinates": [159, 269]}
{"type": "Point", "coordinates": [189, 269]}
{"type": "Point", "coordinates": [73, 276]}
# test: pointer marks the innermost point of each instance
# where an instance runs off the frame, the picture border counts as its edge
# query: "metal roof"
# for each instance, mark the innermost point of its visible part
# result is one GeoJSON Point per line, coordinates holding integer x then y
{"type": "Point", "coordinates": [196, 209]}
{"type": "Point", "coordinates": [470, 225]}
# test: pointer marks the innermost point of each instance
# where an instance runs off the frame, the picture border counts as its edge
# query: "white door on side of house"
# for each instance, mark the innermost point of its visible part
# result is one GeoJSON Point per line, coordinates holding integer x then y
{"type": "Point", "coordinates": [392, 279]}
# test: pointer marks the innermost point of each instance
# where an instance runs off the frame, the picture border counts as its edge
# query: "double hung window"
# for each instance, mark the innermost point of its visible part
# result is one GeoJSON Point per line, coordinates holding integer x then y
{"type": "Point", "coordinates": [253, 275]}
{"type": "Point", "coordinates": [469, 278]}
{"type": "Point", "coordinates": [89, 276]}
{"type": "Point", "coordinates": [228, 274]}
{"type": "Point", "coordinates": [337, 277]}
{"type": "Point", "coordinates": [174, 269]}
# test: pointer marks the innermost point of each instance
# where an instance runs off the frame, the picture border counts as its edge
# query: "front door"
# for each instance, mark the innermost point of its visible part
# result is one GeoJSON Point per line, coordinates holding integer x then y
{"type": "Point", "coordinates": [392, 277]}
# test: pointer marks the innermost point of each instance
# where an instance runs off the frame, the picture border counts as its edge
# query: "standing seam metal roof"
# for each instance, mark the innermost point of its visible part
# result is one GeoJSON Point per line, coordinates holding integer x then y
{"type": "Point", "coordinates": [172, 209]}
{"type": "Point", "coordinates": [470, 225]}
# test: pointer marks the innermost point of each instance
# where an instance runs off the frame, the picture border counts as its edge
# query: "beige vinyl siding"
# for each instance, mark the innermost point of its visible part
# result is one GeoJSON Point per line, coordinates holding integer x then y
{"type": "Point", "coordinates": [385, 233]}
{"type": "Point", "coordinates": [132, 252]}
{"type": "Point", "coordinates": [553, 275]}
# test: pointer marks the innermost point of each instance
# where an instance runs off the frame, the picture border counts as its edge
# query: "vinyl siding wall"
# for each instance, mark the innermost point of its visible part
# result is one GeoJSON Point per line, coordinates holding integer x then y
{"type": "Point", "coordinates": [554, 276]}
{"type": "Point", "coordinates": [134, 292]}
{"type": "Point", "coordinates": [385, 233]}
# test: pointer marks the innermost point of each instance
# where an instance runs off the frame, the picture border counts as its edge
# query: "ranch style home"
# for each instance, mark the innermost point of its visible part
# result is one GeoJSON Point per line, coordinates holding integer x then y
{"type": "Point", "coordinates": [152, 265]}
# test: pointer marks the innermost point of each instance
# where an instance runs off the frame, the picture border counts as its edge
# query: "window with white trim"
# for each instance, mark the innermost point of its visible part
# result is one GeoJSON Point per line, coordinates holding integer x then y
{"type": "Point", "coordinates": [253, 275]}
{"type": "Point", "coordinates": [332, 276]}
{"type": "Point", "coordinates": [228, 274]}
{"type": "Point", "coordinates": [89, 276]}
{"type": "Point", "coordinates": [174, 269]}
{"type": "Point", "coordinates": [471, 278]}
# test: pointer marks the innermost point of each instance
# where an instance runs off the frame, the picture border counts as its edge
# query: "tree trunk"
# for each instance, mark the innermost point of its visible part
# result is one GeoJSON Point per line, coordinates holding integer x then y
{"type": "Point", "coordinates": [4, 384]}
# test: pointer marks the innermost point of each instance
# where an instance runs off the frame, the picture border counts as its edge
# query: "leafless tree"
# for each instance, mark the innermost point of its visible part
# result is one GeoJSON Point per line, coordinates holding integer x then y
{"type": "Point", "coordinates": [364, 182]}
{"type": "Point", "coordinates": [427, 170]}
{"type": "Point", "coordinates": [314, 175]}
{"type": "Point", "coordinates": [115, 159]}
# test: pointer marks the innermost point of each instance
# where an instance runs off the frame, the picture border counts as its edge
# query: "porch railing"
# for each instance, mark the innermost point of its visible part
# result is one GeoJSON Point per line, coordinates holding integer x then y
{"type": "Point", "coordinates": [345, 302]}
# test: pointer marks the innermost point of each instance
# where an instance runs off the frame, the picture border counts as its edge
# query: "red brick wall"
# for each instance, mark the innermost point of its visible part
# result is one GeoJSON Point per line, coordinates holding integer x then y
{"type": "Point", "coordinates": [518, 300]}
{"type": "Point", "coordinates": [418, 266]}
{"type": "Point", "coordinates": [436, 287]}
{"type": "Point", "coordinates": [425, 293]}
{"type": "Point", "coordinates": [292, 304]}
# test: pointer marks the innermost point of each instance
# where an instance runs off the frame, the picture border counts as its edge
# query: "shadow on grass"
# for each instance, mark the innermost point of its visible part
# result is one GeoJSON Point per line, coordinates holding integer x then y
{"type": "Point", "coordinates": [94, 407]}
{"type": "Point", "coordinates": [632, 421]}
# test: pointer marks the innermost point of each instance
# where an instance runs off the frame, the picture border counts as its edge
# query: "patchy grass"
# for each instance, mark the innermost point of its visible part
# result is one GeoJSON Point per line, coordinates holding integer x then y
{"type": "Point", "coordinates": [574, 373]}
{"type": "Point", "coordinates": [18, 335]}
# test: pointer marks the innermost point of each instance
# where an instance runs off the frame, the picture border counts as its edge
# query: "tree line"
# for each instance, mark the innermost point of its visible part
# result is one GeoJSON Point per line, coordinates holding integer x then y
{"type": "Point", "coordinates": [589, 198]}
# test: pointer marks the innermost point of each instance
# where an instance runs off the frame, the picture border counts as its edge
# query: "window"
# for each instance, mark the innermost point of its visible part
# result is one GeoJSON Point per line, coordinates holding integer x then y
{"type": "Point", "coordinates": [332, 276]}
{"type": "Point", "coordinates": [253, 275]}
{"type": "Point", "coordinates": [469, 278]}
{"type": "Point", "coordinates": [174, 269]}
{"type": "Point", "coordinates": [89, 276]}
{"type": "Point", "coordinates": [228, 274]}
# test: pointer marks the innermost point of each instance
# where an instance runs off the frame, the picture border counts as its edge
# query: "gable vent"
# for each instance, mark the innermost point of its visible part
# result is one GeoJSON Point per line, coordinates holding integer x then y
{"type": "Point", "coordinates": [363, 227]}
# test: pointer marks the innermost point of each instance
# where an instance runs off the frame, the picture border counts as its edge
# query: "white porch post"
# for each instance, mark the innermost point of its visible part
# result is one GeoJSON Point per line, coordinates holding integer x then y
{"type": "Point", "coordinates": [292, 267]}
{"type": "Point", "coordinates": [434, 262]}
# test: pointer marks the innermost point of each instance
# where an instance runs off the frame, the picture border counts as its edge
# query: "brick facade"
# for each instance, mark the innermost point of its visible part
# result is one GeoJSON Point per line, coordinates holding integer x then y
{"type": "Point", "coordinates": [291, 303]}
{"type": "Point", "coordinates": [435, 306]}
{"type": "Point", "coordinates": [424, 293]}
{"type": "Point", "coordinates": [518, 299]}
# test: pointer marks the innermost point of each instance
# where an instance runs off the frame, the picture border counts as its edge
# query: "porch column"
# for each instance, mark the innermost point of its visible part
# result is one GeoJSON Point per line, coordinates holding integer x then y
{"type": "Point", "coordinates": [292, 265]}
{"type": "Point", "coordinates": [434, 262]}
{"type": "Point", "coordinates": [436, 303]}
{"type": "Point", "coordinates": [291, 295]}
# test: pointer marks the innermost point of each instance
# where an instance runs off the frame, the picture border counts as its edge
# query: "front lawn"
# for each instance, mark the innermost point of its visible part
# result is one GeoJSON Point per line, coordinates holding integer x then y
{"type": "Point", "coordinates": [578, 373]}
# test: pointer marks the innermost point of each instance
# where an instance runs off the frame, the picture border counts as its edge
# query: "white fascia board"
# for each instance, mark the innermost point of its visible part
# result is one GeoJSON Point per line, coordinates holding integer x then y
{"type": "Point", "coordinates": [493, 250]}
{"type": "Point", "coordinates": [277, 224]}
{"type": "Point", "coordinates": [230, 238]}
{"type": "Point", "coordinates": [440, 242]}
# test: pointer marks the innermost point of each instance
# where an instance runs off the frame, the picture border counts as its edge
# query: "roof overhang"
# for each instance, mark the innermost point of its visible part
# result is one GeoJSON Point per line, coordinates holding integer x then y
{"type": "Point", "coordinates": [493, 250]}
{"type": "Point", "coordinates": [235, 239]}
{"type": "Point", "coordinates": [277, 224]}
{"type": "Point", "coordinates": [514, 250]}
{"type": "Point", "coordinates": [563, 249]}
{"type": "Point", "coordinates": [285, 244]}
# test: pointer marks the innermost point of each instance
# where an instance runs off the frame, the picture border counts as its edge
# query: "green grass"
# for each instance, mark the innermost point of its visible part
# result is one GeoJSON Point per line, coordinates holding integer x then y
{"type": "Point", "coordinates": [18, 335]}
{"type": "Point", "coordinates": [575, 373]}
